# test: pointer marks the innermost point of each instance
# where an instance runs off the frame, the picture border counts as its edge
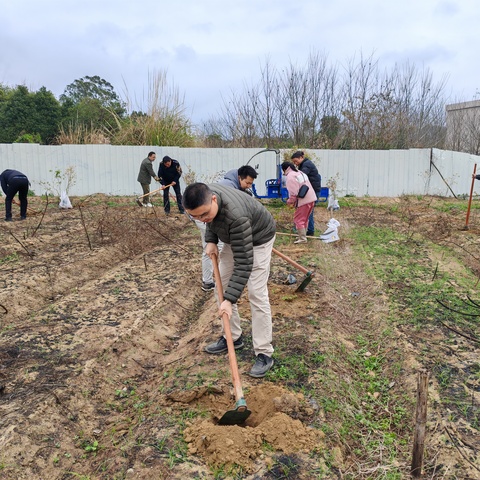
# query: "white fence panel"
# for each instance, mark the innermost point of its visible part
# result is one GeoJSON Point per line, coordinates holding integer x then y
{"type": "Point", "coordinates": [456, 169]}
{"type": "Point", "coordinates": [113, 170]}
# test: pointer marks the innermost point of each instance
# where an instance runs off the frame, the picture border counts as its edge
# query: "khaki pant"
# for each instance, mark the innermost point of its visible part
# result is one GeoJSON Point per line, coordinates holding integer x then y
{"type": "Point", "coordinates": [207, 267]}
{"type": "Point", "coordinates": [257, 296]}
{"type": "Point", "coordinates": [146, 191]}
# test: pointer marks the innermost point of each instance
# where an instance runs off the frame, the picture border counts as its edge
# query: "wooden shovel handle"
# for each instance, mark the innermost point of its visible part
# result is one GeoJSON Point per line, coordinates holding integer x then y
{"type": "Point", "coordinates": [237, 385]}
{"type": "Point", "coordinates": [292, 262]}
{"type": "Point", "coordinates": [470, 198]}
{"type": "Point", "coordinates": [163, 187]}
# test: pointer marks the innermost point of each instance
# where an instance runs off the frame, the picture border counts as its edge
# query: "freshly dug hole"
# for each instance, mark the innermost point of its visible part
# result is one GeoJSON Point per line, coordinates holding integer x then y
{"type": "Point", "coordinates": [277, 419]}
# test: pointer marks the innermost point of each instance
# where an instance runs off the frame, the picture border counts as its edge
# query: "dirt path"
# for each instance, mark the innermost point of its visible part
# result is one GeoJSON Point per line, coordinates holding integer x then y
{"type": "Point", "coordinates": [102, 369]}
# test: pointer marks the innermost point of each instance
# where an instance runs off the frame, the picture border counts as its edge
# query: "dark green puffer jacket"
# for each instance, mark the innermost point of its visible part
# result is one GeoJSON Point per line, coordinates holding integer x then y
{"type": "Point", "coordinates": [242, 222]}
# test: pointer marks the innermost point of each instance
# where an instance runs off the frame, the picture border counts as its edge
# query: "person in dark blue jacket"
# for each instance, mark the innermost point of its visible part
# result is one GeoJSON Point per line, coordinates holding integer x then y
{"type": "Point", "coordinates": [14, 182]}
{"type": "Point", "coordinates": [310, 170]}
{"type": "Point", "coordinates": [169, 172]}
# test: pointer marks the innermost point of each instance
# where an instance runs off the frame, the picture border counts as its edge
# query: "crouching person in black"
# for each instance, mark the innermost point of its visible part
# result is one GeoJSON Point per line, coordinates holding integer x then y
{"type": "Point", "coordinates": [169, 173]}
{"type": "Point", "coordinates": [14, 182]}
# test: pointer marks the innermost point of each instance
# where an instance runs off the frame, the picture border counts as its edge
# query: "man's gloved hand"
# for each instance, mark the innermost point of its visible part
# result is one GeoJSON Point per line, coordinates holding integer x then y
{"type": "Point", "coordinates": [477, 177]}
{"type": "Point", "coordinates": [157, 179]}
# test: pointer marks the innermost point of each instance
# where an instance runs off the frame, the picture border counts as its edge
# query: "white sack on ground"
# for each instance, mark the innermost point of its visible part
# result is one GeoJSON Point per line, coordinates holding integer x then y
{"type": "Point", "coordinates": [331, 233]}
{"type": "Point", "coordinates": [64, 201]}
{"type": "Point", "coordinates": [333, 203]}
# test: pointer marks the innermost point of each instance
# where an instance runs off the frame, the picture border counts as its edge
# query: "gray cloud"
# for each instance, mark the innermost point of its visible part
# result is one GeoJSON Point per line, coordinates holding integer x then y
{"type": "Point", "coordinates": [212, 47]}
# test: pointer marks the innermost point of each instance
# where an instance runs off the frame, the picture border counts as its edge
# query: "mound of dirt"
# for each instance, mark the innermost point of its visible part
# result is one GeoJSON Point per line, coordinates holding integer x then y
{"type": "Point", "coordinates": [271, 421]}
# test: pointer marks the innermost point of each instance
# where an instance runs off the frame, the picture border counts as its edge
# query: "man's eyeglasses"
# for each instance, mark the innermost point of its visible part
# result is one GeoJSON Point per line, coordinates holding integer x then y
{"type": "Point", "coordinates": [201, 216]}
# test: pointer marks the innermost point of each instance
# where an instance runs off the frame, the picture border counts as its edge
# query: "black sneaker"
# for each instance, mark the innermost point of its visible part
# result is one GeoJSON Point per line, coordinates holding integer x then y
{"type": "Point", "coordinates": [262, 365]}
{"type": "Point", "coordinates": [208, 286]}
{"type": "Point", "coordinates": [311, 233]}
{"type": "Point", "coordinates": [220, 346]}
{"type": "Point", "coordinates": [9, 219]}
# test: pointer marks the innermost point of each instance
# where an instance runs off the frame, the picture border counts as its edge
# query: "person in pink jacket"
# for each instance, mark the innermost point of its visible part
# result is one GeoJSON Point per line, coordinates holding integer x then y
{"type": "Point", "coordinates": [297, 182]}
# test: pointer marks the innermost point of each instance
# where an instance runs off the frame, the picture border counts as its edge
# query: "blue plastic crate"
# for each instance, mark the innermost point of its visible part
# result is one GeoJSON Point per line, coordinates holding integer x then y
{"type": "Point", "coordinates": [273, 188]}
{"type": "Point", "coordinates": [323, 195]}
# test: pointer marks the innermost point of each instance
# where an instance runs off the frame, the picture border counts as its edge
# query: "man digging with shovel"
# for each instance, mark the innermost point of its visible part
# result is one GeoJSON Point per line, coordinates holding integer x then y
{"type": "Point", "coordinates": [145, 175]}
{"type": "Point", "coordinates": [247, 230]}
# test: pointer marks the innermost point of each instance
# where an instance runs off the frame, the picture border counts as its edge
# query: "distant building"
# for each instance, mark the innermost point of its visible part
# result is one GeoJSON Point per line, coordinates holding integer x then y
{"type": "Point", "coordinates": [463, 127]}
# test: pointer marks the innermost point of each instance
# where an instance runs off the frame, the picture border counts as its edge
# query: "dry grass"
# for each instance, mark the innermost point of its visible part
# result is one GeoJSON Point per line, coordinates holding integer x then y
{"type": "Point", "coordinates": [161, 122]}
{"type": "Point", "coordinates": [80, 134]}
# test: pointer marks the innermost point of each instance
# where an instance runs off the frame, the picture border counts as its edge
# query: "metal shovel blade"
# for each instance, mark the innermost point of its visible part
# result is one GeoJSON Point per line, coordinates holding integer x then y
{"type": "Point", "coordinates": [140, 204]}
{"type": "Point", "coordinates": [305, 282]}
{"type": "Point", "coordinates": [237, 416]}
{"type": "Point", "coordinates": [309, 275]}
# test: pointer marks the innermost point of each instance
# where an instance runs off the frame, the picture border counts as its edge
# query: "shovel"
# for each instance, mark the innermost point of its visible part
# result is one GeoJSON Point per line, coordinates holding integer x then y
{"type": "Point", "coordinates": [31, 210]}
{"type": "Point", "coordinates": [140, 204]}
{"type": "Point", "coordinates": [309, 274]}
{"type": "Point", "coordinates": [240, 413]}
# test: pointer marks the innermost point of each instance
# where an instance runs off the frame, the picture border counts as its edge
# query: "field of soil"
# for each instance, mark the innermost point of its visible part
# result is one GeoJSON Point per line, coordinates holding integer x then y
{"type": "Point", "coordinates": [102, 368]}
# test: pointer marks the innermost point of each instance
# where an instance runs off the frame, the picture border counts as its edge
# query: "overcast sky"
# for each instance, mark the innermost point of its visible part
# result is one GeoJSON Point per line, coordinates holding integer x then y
{"type": "Point", "coordinates": [211, 47]}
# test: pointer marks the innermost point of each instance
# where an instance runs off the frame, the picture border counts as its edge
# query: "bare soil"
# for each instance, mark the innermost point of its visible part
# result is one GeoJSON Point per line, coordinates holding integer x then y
{"type": "Point", "coordinates": [102, 369]}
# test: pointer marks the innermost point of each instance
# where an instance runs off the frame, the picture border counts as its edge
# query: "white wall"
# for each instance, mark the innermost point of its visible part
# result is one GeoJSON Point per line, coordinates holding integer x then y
{"type": "Point", "coordinates": [113, 170]}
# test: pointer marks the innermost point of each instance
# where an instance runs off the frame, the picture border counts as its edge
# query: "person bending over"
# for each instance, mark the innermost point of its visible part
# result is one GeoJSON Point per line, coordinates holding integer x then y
{"type": "Point", "coordinates": [247, 230]}
{"type": "Point", "coordinates": [169, 173]}
{"type": "Point", "coordinates": [14, 182]}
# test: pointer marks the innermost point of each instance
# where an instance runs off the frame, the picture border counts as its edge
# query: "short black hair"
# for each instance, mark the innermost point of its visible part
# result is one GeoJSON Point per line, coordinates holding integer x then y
{"type": "Point", "coordinates": [298, 154]}
{"type": "Point", "coordinates": [166, 159]}
{"type": "Point", "coordinates": [150, 154]}
{"type": "Point", "coordinates": [285, 165]}
{"type": "Point", "coordinates": [196, 195]}
{"type": "Point", "coordinates": [247, 171]}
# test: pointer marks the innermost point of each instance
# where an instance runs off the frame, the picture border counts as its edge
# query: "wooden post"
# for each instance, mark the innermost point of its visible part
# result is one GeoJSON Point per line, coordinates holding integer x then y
{"type": "Point", "coordinates": [470, 199]}
{"type": "Point", "coordinates": [420, 423]}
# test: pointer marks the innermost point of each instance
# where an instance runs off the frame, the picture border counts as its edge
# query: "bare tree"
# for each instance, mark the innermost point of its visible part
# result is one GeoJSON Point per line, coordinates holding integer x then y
{"type": "Point", "coordinates": [427, 113]}
{"type": "Point", "coordinates": [361, 98]}
{"type": "Point", "coordinates": [265, 106]}
{"type": "Point", "coordinates": [294, 98]}
{"type": "Point", "coordinates": [306, 96]}
{"type": "Point", "coordinates": [324, 103]}
{"type": "Point", "coordinates": [312, 106]}
{"type": "Point", "coordinates": [240, 119]}
{"type": "Point", "coordinates": [401, 109]}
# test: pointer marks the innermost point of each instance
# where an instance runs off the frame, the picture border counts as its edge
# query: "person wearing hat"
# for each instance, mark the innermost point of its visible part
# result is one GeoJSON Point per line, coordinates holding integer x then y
{"type": "Point", "coordinates": [14, 182]}
{"type": "Point", "coordinates": [169, 173]}
{"type": "Point", "coordinates": [145, 177]}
